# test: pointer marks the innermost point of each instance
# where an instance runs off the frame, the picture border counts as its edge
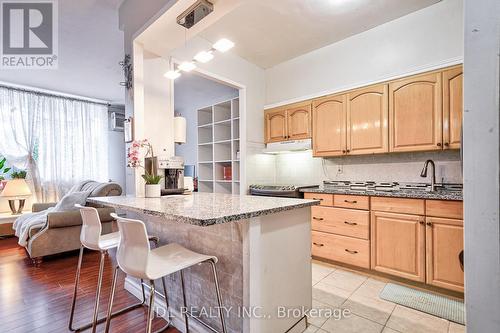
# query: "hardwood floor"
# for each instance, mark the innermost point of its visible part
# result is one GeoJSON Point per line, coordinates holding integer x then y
{"type": "Point", "coordinates": [38, 299]}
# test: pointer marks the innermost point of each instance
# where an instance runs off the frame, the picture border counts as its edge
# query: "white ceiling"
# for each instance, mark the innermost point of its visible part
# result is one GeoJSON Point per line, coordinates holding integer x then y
{"type": "Point", "coordinates": [267, 32]}
{"type": "Point", "coordinates": [90, 47]}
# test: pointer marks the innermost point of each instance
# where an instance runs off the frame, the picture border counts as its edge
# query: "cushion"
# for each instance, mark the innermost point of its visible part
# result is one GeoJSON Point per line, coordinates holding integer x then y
{"type": "Point", "coordinates": [68, 202]}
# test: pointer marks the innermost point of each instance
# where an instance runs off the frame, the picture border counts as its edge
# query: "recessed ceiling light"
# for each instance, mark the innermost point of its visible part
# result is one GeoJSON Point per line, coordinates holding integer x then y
{"type": "Point", "coordinates": [187, 66]}
{"type": "Point", "coordinates": [172, 75]}
{"type": "Point", "coordinates": [204, 56]}
{"type": "Point", "coordinates": [222, 45]}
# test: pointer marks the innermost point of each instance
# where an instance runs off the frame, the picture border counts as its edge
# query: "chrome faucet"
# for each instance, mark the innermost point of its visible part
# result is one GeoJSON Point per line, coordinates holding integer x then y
{"type": "Point", "coordinates": [424, 173]}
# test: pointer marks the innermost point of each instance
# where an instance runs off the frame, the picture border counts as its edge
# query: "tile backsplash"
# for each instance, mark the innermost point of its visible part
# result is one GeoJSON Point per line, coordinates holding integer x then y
{"type": "Point", "coordinates": [302, 168]}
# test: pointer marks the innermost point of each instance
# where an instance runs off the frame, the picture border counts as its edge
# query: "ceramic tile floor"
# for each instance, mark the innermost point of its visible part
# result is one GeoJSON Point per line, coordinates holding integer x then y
{"type": "Point", "coordinates": [337, 289]}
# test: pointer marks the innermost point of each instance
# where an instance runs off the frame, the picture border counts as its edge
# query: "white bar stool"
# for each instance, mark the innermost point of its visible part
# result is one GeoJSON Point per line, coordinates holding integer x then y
{"type": "Point", "coordinates": [91, 239]}
{"type": "Point", "coordinates": [136, 259]}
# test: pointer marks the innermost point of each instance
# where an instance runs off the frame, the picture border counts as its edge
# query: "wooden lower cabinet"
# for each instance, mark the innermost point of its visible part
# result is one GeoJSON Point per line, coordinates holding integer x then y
{"type": "Point", "coordinates": [444, 241]}
{"type": "Point", "coordinates": [340, 221]}
{"type": "Point", "coordinates": [414, 239]}
{"type": "Point", "coordinates": [343, 249]}
{"type": "Point", "coordinates": [324, 198]}
{"type": "Point", "coordinates": [398, 245]}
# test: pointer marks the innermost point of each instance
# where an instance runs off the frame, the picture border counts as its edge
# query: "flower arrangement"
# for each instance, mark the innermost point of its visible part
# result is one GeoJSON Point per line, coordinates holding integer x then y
{"type": "Point", "coordinates": [134, 160]}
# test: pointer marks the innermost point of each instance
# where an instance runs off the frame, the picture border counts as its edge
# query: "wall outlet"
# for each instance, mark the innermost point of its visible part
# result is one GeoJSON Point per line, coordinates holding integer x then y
{"type": "Point", "coordinates": [340, 169]}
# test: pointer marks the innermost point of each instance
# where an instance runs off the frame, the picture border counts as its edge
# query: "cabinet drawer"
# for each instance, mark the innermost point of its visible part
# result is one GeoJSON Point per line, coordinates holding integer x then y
{"type": "Point", "coordinates": [351, 201]}
{"type": "Point", "coordinates": [324, 198]}
{"type": "Point", "coordinates": [444, 208]}
{"type": "Point", "coordinates": [344, 249]}
{"type": "Point", "coordinates": [341, 221]}
{"type": "Point", "coordinates": [398, 205]}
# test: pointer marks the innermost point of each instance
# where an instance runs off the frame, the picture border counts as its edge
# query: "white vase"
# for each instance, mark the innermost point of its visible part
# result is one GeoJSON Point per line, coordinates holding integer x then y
{"type": "Point", "coordinates": [153, 190]}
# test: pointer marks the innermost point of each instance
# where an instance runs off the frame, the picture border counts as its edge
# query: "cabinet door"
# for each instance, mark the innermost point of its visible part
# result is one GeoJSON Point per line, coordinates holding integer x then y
{"type": "Point", "coordinates": [415, 113]}
{"type": "Point", "coordinates": [299, 122]}
{"type": "Point", "coordinates": [452, 107]}
{"type": "Point", "coordinates": [398, 245]}
{"type": "Point", "coordinates": [367, 115]}
{"type": "Point", "coordinates": [329, 126]}
{"type": "Point", "coordinates": [444, 241]}
{"type": "Point", "coordinates": [275, 125]}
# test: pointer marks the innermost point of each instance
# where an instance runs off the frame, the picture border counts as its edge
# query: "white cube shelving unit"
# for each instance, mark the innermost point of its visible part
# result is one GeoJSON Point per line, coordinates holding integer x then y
{"type": "Point", "coordinates": [218, 147]}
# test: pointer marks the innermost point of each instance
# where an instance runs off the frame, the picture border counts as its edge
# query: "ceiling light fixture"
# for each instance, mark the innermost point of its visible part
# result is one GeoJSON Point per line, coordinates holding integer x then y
{"type": "Point", "coordinates": [204, 56]}
{"type": "Point", "coordinates": [187, 66]}
{"type": "Point", "coordinates": [172, 75]}
{"type": "Point", "coordinates": [223, 45]}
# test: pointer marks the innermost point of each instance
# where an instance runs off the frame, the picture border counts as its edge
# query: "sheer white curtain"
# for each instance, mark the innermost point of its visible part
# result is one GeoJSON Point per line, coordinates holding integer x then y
{"type": "Point", "coordinates": [62, 140]}
{"type": "Point", "coordinates": [19, 124]}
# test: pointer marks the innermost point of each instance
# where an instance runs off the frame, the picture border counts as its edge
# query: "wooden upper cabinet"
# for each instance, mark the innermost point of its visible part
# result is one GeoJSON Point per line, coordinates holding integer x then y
{"type": "Point", "coordinates": [452, 107]}
{"type": "Point", "coordinates": [367, 116]}
{"type": "Point", "coordinates": [329, 126]}
{"type": "Point", "coordinates": [415, 113]}
{"type": "Point", "coordinates": [275, 125]}
{"type": "Point", "coordinates": [444, 242]}
{"type": "Point", "coordinates": [299, 122]}
{"type": "Point", "coordinates": [398, 245]}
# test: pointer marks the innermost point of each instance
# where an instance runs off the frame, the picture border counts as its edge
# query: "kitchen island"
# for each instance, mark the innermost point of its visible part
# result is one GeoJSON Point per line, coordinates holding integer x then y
{"type": "Point", "coordinates": [264, 249]}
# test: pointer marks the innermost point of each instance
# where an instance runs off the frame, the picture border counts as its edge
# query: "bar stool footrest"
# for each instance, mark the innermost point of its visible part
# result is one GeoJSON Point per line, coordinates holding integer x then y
{"type": "Point", "coordinates": [114, 314]}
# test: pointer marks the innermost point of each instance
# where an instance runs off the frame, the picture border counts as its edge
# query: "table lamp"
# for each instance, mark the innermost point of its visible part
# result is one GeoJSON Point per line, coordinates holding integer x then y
{"type": "Point", "coordinates": [16, 189]}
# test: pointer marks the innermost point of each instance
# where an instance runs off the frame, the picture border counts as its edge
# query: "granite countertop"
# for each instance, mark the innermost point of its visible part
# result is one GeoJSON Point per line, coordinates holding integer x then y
{"type": "Point", "coordinates": [205, 209]}
{"type": "Point", "coordinates": [406, 193]}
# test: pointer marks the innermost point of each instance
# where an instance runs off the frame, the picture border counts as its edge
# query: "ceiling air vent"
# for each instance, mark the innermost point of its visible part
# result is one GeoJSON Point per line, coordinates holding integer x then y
{"type": "Point", "coordinates": [195, 13]}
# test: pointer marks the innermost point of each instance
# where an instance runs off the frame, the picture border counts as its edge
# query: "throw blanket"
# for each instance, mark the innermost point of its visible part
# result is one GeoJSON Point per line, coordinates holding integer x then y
{"type": "Point", "coordinates": [25, 223]}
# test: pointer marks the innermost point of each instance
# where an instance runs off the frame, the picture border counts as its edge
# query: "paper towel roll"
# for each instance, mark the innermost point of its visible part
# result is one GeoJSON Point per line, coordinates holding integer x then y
{"type": "Point", "coordinates": [179, 130]}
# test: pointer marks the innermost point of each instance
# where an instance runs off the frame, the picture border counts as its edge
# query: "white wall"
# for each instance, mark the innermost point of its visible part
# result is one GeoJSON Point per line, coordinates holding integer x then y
{"type": "Point", "coordinates": [192, 92]}
{"type": "Point", "coordinates": [116, 157]}
{"type": "Point", "coordinates": [133, 16]}
{"type": "Point", "coordinates": [481, 165]}
{"type": "Point", "coordinates": [426, 38]}
{"type": "Point", "coordinates": [90, 47]}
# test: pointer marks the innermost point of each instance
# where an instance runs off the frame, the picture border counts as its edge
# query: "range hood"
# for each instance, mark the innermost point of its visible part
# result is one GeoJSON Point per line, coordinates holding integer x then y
{"type": "Point", "coordinates": [287, 146]}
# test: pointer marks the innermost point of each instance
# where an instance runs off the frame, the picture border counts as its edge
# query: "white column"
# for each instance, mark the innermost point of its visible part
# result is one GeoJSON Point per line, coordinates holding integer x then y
{"type": "Point", "coordinates": [481, 165]}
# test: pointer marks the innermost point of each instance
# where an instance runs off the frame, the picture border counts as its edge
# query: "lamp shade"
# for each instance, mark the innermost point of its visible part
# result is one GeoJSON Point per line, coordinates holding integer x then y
{"type": "Point", "coordinates": [179, 130]}
{"type": "Point", "coordinates": [16, 188]}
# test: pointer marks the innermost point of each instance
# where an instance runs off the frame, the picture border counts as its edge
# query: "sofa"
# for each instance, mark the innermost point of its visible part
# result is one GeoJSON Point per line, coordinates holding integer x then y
{"type": "Point", "coordinates": [62, 230]}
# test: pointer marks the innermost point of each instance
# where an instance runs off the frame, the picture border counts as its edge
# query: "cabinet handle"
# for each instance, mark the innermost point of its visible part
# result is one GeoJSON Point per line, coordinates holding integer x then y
{"type": "Point", "coordinates": [351, 201]}
{"type": "Point", "coordinates": [439, 144]}
{"type": "Point", "coordinates": [348, 151]}
{"type": "Point", "coordinates": [318, 244]}
{"type": "Point", "coordinates": [429, 224]}
{"type": "Point", "coordinates": [421, 222]}
{"type": "Point", "coordinates": [320, 199]}
{"type": "Point", "coordinates": [351, 252]}
{"type": "Point", "coordinates": [350, 223]}
{"type": "Point", "coordinates": [446, 144]}
{"type": "Point", "coordinates": [318, 218]}
{"type": "Point", "coordinates": [343, 151]}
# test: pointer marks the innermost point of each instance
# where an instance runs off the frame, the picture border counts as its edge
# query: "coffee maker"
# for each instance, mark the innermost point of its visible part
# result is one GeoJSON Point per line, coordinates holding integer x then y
{"type": "Point", "coordinates": [173, 170]}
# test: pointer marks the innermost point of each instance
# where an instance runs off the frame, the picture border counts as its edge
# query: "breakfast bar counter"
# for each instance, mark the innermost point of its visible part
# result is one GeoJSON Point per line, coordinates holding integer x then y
{"type": "Point", "coordinates": [264, 249]}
